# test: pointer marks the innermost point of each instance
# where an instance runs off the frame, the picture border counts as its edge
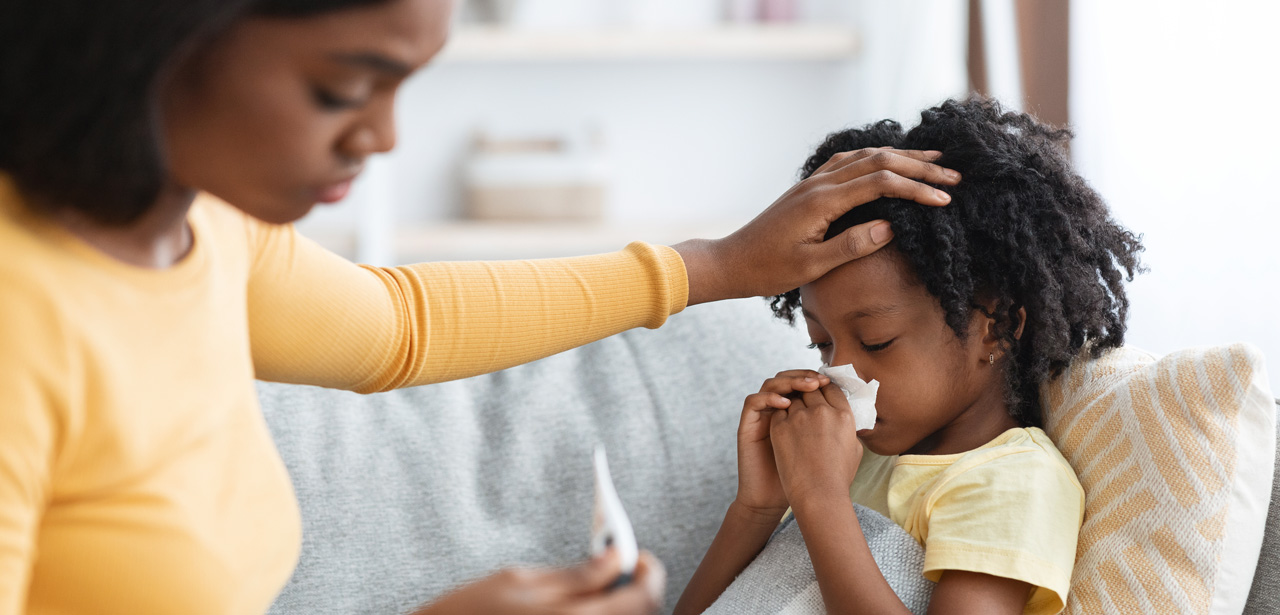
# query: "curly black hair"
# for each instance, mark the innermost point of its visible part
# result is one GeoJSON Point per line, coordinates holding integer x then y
{"type": "Point", "coordinates": [1023, 230]}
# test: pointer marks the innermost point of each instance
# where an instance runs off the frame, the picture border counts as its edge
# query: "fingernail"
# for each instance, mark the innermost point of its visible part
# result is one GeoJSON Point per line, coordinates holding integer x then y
{"type": "Point", "coordinates": [933, 152]}
{"type": "Point", "coordinates": [944, 196]}
{"type": "Point", "coordinates": [808, 378]}
{"type": "Point", "coordinates": [881, 233]}
{"type": "Point", "coordinates": [953, 174]}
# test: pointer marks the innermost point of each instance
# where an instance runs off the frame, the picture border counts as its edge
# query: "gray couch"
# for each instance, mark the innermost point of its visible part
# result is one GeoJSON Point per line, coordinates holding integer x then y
{"type": "Point", "coordinates": [406, 494]}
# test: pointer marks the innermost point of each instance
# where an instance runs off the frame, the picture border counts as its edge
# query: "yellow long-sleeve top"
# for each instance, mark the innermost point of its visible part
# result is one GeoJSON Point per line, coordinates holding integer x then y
{"type": "Point", "coordinates": [136, 472]}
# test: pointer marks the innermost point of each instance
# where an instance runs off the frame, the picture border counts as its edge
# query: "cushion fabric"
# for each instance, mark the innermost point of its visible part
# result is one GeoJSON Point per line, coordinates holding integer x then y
{"type": "Point", "coordinates": [1176, 456]}
{"type": "Point", "coordinates": [406, 494]}
{"type": "Point", "coordinates": [781, 578]}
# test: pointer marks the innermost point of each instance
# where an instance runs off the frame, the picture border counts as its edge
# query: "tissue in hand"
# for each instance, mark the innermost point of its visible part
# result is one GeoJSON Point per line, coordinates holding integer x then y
{"type": "Point", "coordinates": [861, 394]}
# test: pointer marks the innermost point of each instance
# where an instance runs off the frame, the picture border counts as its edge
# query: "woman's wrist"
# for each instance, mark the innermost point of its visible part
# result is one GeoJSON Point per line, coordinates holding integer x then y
{"type": "Point", "coordinates": [703, 270]}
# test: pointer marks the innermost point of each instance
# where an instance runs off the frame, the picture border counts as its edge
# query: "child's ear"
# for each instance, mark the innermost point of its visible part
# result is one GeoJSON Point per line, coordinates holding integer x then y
{"type": "Point", "coordinates": [1022, 323]}
{"type": "Point", "coordinates": [991, 332]}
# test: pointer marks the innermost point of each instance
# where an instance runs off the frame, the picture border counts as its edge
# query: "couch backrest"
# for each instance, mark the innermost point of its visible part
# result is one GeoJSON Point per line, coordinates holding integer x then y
{"type": "Point", "coordinates": [408, 493]}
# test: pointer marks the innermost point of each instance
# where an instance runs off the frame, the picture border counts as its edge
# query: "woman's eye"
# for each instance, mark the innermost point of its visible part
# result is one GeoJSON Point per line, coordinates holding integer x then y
{"type": "Point", "coordinates": [819, 345]}
{"type": "Point", "coordinates": [876, 347]}
{"type": "Point", "coordinates": [332, 102]}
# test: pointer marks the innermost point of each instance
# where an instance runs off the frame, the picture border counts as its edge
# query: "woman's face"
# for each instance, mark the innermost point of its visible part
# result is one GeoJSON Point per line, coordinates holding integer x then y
{"type": "Point", "coordinates": [279, 114]}
{"type": "Point", "coordinates": [875, 314]}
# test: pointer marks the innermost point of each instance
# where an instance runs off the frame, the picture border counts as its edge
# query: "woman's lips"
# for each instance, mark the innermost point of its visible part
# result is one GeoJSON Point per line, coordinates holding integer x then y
{"type": "Point", "coordinates": [333, 192]}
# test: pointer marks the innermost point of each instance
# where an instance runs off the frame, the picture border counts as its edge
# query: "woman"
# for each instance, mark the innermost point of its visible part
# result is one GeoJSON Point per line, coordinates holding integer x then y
{"type": "Point", "coordinates": [136, 474]}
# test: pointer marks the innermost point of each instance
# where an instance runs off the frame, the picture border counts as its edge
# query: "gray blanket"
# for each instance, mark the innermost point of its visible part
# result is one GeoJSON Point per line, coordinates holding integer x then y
{"type": "Point", "coordinates": [781, 579]}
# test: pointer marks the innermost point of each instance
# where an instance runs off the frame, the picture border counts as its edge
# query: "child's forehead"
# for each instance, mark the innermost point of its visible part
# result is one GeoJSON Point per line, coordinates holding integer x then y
{"type": "Point", "coordinates": [880, 284]}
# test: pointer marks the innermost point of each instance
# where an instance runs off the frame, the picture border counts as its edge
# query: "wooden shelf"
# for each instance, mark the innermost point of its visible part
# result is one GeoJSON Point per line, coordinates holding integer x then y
{"type": "Point", "coordinates": [475, 44]}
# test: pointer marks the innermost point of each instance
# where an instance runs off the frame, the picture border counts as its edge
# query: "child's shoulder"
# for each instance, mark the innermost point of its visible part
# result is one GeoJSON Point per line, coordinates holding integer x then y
{"type": "Point", "coordinates": [1019, 460]}
{"type": "Point", "coordinates": [1027, 447]}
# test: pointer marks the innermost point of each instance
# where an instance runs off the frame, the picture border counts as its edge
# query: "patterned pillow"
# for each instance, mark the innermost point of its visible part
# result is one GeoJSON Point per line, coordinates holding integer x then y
{"type": "Point", "coordinates": [1175, 455]}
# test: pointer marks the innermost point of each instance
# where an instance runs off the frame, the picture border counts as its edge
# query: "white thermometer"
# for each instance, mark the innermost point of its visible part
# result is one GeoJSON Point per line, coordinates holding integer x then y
{"type": "Point", "coordinates": [610, 526]}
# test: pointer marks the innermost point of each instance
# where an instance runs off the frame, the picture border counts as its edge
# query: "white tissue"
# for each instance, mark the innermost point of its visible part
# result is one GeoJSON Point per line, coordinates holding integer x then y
{"type": "Point", "coordinates": [861, 394]}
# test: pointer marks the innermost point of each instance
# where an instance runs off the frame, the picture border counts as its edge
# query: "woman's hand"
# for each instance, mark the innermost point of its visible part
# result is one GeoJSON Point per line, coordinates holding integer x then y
{"type": "Point", "coordinates": [578, 590]}
{"type": "Point", "coordinates": [815, 444]}
{"type": "Point", "coordinates": [782, 248]}
{"type": "Point", "coordinates": [760, 490]}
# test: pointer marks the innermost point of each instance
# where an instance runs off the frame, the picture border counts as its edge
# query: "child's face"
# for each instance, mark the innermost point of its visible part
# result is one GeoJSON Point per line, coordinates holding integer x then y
{"type": "Point", "coordinates": [875, 314]}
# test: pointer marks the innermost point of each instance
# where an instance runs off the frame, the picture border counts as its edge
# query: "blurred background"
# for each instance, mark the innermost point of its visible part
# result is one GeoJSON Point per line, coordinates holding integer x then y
{"type": "Point", "coordinates": [563, 127]}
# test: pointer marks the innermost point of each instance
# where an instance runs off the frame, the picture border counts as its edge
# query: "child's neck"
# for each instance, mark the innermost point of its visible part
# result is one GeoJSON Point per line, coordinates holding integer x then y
{"type": "Point", "coordinates": [978, 424]}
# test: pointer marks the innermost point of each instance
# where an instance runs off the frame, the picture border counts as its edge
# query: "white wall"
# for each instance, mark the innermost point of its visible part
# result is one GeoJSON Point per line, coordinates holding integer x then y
{"type": "Point", "coordinates": [1174, 106]}
{"type": "Point", "coordinates": [688, 141]}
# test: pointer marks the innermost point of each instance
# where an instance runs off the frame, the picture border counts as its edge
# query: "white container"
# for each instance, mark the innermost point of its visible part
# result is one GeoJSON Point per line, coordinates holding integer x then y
{"type": "Point", "coordinates": [536, 179]}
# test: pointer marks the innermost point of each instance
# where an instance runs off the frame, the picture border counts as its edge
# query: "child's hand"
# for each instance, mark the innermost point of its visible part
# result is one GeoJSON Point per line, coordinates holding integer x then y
{"type": "Point", "coordinates": [759, 488]}
{"type": "Point", "coordinates": [815, 445]}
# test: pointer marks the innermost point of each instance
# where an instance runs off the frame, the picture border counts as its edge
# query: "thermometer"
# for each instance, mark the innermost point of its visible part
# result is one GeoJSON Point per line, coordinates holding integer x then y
{"type": "Point", "coordinates": [610, 526]}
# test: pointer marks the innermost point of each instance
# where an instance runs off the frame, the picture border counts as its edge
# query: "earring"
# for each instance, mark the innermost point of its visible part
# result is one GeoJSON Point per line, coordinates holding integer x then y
{"type": "Point", "coordinates": [991, 358]}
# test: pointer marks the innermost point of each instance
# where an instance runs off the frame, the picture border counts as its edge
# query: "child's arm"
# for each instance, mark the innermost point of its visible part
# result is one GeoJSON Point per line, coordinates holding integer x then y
{"type": "Point", "coordinates": [760, 502]}
{"type": "Point", "coordinates": [818, 453]}
{"type": "Point", "coordinates": [741, 537]}
{"type": "Point", "coordinates": [851, 581]}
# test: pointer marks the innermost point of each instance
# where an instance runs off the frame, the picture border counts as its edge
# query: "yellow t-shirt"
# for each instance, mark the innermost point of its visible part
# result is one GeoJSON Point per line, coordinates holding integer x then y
{"type": "Point", "coordinates": [1011, 508]}
{"type": "Point", "coordinates": [136, 472]}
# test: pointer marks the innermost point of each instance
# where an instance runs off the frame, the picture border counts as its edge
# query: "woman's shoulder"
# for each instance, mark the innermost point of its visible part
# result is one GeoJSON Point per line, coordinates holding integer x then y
{"type": "Point", "coordinates": [230, 227]}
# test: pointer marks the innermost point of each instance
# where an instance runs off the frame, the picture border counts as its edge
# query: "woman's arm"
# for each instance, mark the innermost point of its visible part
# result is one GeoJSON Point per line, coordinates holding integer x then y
{"type": "Point", "coordinates": [316, 319]}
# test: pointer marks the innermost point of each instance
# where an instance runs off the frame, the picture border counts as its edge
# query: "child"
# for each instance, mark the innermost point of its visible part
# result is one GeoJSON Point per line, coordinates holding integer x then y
{"type": "Point", "coordinates": [960, 319]}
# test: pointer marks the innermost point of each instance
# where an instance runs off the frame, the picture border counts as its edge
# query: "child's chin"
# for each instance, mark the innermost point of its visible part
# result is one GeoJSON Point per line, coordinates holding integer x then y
{"type": "Point", "coordinates": [871, 442]}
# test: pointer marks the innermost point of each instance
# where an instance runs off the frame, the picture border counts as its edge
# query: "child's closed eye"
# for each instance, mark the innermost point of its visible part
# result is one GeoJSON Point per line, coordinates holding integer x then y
{"type": "Point", "coordinates": [877, 347]}
{"type": "Point", "coordinates": [819, 345]}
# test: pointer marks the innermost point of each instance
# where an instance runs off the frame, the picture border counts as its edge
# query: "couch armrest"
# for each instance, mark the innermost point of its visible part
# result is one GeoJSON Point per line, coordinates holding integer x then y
{"type": "Point", "coordinates": [1264, 596]}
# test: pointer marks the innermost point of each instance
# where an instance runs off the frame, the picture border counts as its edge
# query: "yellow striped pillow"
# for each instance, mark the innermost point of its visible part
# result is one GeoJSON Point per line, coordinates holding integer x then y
{"type": "Point", "coordinates": [1175, 455]}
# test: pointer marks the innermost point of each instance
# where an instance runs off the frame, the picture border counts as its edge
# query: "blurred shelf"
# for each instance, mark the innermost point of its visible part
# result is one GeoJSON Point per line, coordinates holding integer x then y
{"type": "Point", "coordinates": [472, 240]}
{"type": "Point", "coordinates": [477, 44]}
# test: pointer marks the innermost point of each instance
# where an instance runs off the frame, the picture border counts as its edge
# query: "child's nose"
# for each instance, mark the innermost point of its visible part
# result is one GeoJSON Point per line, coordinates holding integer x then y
{"type": "Point", "coordinates": [850, 358]}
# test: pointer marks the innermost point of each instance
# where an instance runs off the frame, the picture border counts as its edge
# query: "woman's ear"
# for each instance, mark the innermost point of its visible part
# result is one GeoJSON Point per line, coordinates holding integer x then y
{"type": "Point", "coordinates": [1022, 323]}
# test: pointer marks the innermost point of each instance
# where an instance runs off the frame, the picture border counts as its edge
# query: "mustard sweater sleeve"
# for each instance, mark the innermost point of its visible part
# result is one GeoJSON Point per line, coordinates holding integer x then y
{"type": "Point", "coordinates": [315, 318]}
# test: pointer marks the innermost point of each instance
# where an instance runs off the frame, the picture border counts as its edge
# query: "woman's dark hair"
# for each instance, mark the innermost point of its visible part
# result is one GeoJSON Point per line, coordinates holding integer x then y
{"type": "Point", "coordinates": [80, 123]}
{"type": "Point", "coordinates": [1023, 230]}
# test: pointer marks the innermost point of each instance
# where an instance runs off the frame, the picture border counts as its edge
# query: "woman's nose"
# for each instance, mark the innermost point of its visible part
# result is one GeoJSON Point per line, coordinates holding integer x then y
{"type": "Point", "coordinates": [375, 134]}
